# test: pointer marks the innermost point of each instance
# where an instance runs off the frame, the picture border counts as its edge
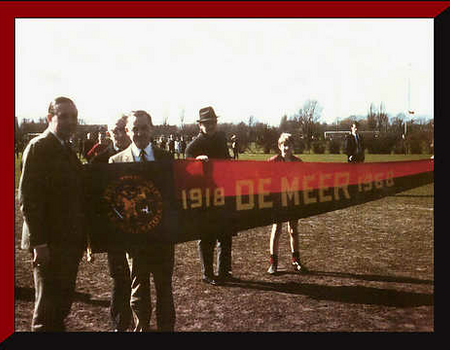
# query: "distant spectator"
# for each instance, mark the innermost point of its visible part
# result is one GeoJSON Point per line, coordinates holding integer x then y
{"type": "Point", "coordinates": [102, 144]}
{"type": "Point", "coordinates": [162, 143]}
{"type": "Point", "coordinates": [88, 143]}
{"type": "Point", "coordinates": [235, 147]}
{"type": "Point", "coordinates": [171, 145]}
{"type": "Point", "coordinates": [354, 145]}
{"type": "Point", "coordinates": [177, 147]}
{"type": "Point", "coordinates": [182, 146]}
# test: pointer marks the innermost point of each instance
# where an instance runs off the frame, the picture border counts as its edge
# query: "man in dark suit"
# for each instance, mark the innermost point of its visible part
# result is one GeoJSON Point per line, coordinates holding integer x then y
{"type": "Point", "coordinates": [120, 310]}
{"type": "Point", "coordinates": [354, 145]}
{"type": "Point", "coordinates": [212, 144]}
{"type": "Point", "coordinates": [157, 258]}
{"type": "Point", "coordinates": [50, 197]}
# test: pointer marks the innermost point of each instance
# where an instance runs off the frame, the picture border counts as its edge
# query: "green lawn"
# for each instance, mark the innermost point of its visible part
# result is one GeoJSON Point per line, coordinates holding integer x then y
{"type": "Point", "coordinates": [340, 158]}
{"type": "Point", "coordinates": [337, 158]}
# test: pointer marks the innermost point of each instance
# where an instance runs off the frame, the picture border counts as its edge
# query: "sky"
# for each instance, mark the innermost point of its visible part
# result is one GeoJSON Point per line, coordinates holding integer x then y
{"type": "Point", "coordinates": [265, 68]}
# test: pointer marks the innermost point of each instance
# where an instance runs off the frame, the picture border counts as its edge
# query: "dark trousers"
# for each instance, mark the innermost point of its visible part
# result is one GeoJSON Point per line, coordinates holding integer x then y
{"type": "Point", "coordinates": [206, 253]}
{"type": "Point", "coordinates": [54, 290]}
{"type": "Point", "coordinates": [141, 268]}
{"type": "Point", "coordinates": [120, 309]}
{"type": "Point", "coordinates": [235, 153]}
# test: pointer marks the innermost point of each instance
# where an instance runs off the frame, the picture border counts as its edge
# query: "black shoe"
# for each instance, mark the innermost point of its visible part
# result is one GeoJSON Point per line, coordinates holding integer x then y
{"type": "Point", "coordinates": [225, 277]}
{"type": "Point", "coordinates": [210, 280]}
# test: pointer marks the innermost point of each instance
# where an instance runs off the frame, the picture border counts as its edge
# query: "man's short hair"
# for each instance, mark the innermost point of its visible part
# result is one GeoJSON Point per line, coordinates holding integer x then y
{"type": "Point", "coordinates": [140, 113]}
{"type": "Point", "coordinates": [59, 100]}
{"type": "Point", "coordinates": [285, 137]}
{"type": "Point", "coordinates": [119, 122]}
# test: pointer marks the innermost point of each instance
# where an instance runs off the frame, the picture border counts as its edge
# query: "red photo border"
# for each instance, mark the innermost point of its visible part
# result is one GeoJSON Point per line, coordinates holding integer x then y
{"type": "Point", "coordinates": [11, 10]}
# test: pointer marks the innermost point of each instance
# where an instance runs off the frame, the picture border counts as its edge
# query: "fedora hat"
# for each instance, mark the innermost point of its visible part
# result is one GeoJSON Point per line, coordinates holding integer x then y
{"type": "Point", "coordinates": [207, 114]}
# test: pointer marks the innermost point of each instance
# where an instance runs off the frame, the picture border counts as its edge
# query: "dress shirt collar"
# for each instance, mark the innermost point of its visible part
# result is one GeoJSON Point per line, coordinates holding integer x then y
{"type": "Point", "coordinates": [148, 152]}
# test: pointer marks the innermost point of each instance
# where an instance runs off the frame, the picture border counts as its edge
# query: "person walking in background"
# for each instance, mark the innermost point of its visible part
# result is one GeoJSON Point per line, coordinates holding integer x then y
{"type": "Point", "coordinates": [286, 148]}
{"type": "Point", "coordinates": [50, 197]}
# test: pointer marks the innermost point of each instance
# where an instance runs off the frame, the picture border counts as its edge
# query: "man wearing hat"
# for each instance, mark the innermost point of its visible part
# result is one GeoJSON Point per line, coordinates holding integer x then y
{"type": "Point", "coordinates": [210, 143]}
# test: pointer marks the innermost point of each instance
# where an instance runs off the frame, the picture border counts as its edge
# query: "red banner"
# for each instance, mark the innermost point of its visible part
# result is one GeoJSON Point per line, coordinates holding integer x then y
{"type": "Point", "coordinates": [139, 203]}
{"type": "Point", "coordinates": [178, 201]}
{"type": "Point", "coordinates": [194, 179]}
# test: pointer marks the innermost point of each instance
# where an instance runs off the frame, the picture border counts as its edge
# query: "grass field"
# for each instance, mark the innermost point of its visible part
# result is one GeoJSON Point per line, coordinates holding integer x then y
{"type": "Point", "coordinates": [371, 270]}
{"type": "Point", "coordinates": [305, 157]}
{"type": "Point", "coordinates": [341, 158]}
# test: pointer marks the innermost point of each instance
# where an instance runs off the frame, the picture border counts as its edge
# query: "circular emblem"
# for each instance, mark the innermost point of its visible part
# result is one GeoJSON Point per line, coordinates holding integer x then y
{"type": "Point", "coordinates": [135, 204]}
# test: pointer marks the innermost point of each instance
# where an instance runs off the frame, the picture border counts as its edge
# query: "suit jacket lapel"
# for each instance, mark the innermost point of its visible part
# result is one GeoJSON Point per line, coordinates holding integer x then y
{"type": "Point", "coordinates": [65, 152]}
{"type": "Point", "coordinates": [128, 156]}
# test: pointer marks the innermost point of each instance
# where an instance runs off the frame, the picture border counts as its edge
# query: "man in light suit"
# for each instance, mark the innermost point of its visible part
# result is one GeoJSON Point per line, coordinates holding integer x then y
{"type": "Point", "coordinates": [50, 197]}
{"type": "Point", "coordinates": [157, 258]}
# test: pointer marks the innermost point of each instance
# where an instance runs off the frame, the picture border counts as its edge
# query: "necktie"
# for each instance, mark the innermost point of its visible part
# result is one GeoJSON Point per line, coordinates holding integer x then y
{"type": "Point", "coordinates": [142, 156]}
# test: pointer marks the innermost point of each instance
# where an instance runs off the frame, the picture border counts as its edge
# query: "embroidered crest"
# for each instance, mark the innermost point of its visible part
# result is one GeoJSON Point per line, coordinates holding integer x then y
{"type": "Point", "coordinates": [135, 204]}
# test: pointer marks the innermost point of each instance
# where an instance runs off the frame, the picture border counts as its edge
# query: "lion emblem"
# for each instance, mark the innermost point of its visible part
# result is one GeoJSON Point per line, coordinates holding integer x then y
{"type": "Point", "coordinates": [135, 204]}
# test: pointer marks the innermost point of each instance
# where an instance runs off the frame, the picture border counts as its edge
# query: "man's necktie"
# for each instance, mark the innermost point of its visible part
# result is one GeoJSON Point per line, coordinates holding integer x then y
{"type": "Point", "coordinates": [142, 156]}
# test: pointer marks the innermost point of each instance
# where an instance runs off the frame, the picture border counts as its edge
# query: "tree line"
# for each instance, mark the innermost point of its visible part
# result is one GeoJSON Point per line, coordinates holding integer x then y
{"type": "Point", "coordinates": [383, 133]}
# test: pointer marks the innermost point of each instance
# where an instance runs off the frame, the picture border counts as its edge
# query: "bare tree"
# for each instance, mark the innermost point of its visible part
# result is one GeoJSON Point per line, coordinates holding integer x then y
{"type": "Point", "coordinates": [372, 117]}
{"type": "Point", "coordinates": [308, 116]}
{"type": "Point", "coordinates": [251, 121]}
{"type": "Point", "coordinates": [398, 124]}
{"type": "Point", "coordinates": [382, 118]}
